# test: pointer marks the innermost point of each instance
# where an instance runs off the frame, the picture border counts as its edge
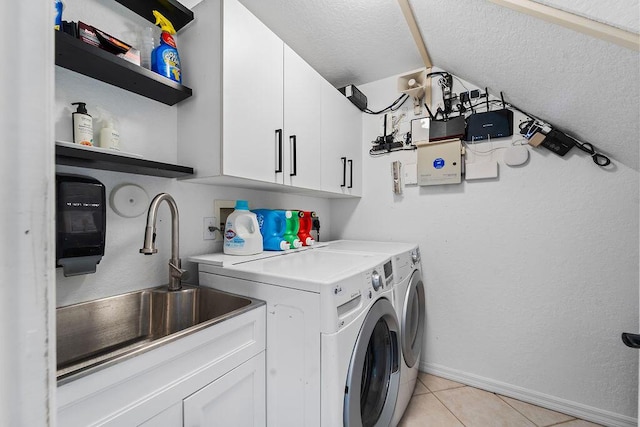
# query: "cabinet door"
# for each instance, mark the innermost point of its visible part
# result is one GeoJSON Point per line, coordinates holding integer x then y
{"type": "Point", "coordinates": [252, 96]}
{"type": "Point", "coordinates": [341, 143]}
{"type": "Point", "coordinates": [302, 97]}
{"type": "Point", "coordinates": [170, 417]}
{"type": "Point", "coordinates": [235, 399]}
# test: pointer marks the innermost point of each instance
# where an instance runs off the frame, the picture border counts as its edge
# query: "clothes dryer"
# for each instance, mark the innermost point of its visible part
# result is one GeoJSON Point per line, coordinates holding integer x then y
{"type": "Point", "coordinates": [409, 303]}
{"type": "Point", "coordinates": [333, 354]}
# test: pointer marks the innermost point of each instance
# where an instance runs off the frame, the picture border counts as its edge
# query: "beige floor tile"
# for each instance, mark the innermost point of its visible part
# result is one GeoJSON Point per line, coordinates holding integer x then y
{"type": "Point", "coordinates": [578, 423]}
{"type": "Point", "coordinates": [420, 388]}
{"type": "Point", "coordinates": [434, 383]}
{"type": "Point", "coordinates": [425, 410]}
{"type": "Point", "coordinates": [540, 416]}
{"type": "Point", "coordinates": [478, 408]}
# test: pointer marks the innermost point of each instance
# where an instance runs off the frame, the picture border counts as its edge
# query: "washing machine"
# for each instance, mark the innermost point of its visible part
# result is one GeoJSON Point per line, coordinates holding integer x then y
{"type": "Point", "coordinates": [409, 303]}
{"type": "Point", "coordinates": [333, 351]}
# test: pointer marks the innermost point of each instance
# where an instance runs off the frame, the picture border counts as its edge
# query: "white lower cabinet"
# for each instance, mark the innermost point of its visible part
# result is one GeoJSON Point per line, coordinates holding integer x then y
{"type": "Point", "coordinates": [213, 377]}
{"type": "Point", "coordinates": [236, 399]}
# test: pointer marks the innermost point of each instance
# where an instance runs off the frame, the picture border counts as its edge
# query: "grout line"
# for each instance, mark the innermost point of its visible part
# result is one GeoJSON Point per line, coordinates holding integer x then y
{"type": "Point", "coordinates": [548, 425]}
{"type": "Point", "coordinates": [516, 409]}
{"type": "Point", "coordinates": [446, 407]}
{"type": "Point", "coordinates": [565, 422]}
{"type": "Point", "coordinates": [450, 388]}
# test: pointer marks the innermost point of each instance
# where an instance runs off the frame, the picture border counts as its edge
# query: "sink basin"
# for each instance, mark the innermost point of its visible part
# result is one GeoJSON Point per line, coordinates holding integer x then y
{"type": "Point", "coordinates": [100, 333]}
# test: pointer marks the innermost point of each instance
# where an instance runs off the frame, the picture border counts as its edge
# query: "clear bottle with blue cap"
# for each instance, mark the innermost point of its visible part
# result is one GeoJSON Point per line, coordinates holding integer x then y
{"type": "Point", "coordinates": [242, 232]}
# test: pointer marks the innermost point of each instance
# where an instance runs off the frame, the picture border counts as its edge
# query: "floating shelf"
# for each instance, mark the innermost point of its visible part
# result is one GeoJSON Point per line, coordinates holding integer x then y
{"type": "Point", "coordinates": [83, 58]}
{"type": "Point", "coordinates": [113, 162]}
{"type": "Point", "coordinates": [174, 11]}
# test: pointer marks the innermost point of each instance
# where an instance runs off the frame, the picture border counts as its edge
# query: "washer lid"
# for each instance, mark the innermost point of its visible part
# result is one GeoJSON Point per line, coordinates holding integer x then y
{"type": "Point", "coordinates": [307, 270]}
{"type": "Point", "coordinates": [388, 248]}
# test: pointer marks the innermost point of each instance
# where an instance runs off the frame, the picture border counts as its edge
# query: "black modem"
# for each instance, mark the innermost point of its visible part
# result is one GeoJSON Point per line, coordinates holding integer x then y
{"type": "Point", "coordinates": [446, 128]}
{"type": "Point", "coordinates": [489, 124]}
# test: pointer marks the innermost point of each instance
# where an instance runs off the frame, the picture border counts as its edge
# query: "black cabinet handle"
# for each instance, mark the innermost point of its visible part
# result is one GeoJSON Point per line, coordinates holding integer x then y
{"type": "Point", "coordinates": [350, 173]}
{"type": "Point", "coordinates": [279, 149]}
{"type": "Point", "coordinates": [344, 171]}
{"type": "Point", "coordinates": [292, 139]}
{"type": "Point", "coordinates": [631, 340]}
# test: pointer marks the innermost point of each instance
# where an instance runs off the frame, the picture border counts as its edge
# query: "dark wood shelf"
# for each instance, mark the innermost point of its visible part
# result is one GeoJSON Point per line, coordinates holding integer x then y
{"type": "Point", "coordinates": [83, 58]}
{"type": "Point", "coordinates": [174, 11]}
{"type": "Point", "coordinates": [112, 162]}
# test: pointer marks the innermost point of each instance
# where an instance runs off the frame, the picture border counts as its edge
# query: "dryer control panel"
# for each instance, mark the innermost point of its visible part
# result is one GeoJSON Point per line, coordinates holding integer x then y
{"type": "Point", "coordinates": [352, 296]}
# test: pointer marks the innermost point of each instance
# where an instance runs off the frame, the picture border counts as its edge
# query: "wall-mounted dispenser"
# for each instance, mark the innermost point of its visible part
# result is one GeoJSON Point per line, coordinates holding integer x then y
{"type": "Point", "coordinates": [80, 223]}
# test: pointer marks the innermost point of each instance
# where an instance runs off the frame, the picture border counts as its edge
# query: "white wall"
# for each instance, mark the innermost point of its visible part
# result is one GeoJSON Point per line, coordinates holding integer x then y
{"type": "Point", "coordinates": [530, 278]}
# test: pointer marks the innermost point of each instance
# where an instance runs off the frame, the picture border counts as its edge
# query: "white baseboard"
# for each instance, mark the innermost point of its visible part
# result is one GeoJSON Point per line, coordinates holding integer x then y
{"type": "Point", "coordinates": [568, 407]}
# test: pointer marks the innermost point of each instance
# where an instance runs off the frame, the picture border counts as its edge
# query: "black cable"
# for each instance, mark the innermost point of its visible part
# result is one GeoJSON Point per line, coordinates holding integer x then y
{"type": "Point", "coordinates": [393, 107]}
{"type": "Point", "coordinates": [383, 152]}
{"type": "Point", "coordinates": [598, 158]}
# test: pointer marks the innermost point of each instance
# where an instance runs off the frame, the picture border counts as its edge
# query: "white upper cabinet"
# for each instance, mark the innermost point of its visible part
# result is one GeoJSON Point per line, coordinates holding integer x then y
{"type": "Point", "coordinates": [252, 96]}
{"type": "Point", "coordinates": [255, 119]}
{"type": "Point", "coordinates": [341, 143]}
{"type": "Point", "coordinates": [302, 98]}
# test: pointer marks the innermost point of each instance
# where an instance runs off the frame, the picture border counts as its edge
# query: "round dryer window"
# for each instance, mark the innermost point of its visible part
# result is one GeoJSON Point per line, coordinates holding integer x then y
{"type": "Point", "coordinates": [413, 313]}
{"type": "Point", "coordinates": [373, 378]}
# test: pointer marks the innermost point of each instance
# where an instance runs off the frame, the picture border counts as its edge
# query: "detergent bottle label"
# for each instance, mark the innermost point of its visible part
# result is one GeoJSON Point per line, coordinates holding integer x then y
{"type": "Point", "coordinates": [232, 240]}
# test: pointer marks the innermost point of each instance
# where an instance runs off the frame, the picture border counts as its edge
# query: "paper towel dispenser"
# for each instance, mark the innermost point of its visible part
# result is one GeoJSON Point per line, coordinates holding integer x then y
{"type": "Point", "coordinates": [80, 223]}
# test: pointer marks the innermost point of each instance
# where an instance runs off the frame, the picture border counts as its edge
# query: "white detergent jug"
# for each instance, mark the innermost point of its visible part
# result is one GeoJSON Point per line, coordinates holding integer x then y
{"type": "Point", "coordinates": [242, 232]}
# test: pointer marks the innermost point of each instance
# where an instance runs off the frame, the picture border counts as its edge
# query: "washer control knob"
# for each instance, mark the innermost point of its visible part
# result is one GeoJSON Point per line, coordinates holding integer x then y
{"type": "Point", "coordinates": [375, 280]}
{"type": "Point", "coordinates": [414, 256]}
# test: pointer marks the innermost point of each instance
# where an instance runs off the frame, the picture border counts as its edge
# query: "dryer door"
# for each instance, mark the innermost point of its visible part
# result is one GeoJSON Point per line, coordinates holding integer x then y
{"type": "Point", "coordinates": [413, 312]}
{"type": "Point", "coordinates": [374, 376]}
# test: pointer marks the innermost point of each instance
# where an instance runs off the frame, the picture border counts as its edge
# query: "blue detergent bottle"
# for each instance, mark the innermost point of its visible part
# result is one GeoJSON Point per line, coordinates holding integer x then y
{"type": "Point", "coordinates": [164, 58]}
{"type": "Point", "coordinates": [272, 227]}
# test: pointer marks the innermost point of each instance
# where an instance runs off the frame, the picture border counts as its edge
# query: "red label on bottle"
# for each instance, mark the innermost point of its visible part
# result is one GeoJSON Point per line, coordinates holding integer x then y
{"type": "Point", "coordinates": [168, 39]}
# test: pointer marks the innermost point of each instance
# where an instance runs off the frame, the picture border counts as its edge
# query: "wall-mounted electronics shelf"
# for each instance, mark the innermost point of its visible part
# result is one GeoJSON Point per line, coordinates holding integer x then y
{"type": "Point", "coordinates": [83, 58]}
{"type": "Point", "coordinates": [86, 158]}
{"type": "Point", "coordinates": [174, 11]}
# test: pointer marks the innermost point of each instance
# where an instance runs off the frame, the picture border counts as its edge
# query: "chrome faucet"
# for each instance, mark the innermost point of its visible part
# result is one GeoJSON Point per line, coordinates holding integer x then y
{"type": "Point", "coordinates": [176, 273]}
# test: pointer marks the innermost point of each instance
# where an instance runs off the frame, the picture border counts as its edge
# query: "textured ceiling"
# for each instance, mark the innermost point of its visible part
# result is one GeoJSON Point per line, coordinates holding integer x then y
{"type": "Point", "coordinates": [585, 86]}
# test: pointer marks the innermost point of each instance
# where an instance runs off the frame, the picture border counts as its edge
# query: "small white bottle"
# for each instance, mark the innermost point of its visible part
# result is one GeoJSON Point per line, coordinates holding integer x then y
{"type": "Point", "coordinates": [109, 136]}
{"type": "Point", "coordinates": [82, 125]}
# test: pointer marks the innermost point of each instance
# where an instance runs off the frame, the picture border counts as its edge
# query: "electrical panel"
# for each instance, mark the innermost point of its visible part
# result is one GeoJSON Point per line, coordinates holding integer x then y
{"type": "Point", "coordinates": [440, 163]}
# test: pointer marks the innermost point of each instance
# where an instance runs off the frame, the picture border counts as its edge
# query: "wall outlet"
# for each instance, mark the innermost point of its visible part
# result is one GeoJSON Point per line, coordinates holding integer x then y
{"type": "Point", "coordinates": [221, 210]}
{"type": "Point", "coordinates": [210, 228]}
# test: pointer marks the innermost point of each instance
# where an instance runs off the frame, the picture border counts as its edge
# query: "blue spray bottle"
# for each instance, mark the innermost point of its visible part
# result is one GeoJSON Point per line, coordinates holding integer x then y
{"type": "Point", "coordinates": [58, 21]}
{"type": "Point", "coordinates": [164, 58]}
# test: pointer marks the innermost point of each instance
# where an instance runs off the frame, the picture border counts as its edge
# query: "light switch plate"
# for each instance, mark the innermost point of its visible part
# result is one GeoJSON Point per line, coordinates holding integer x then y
{"type": "Point", "coordinates": [411, 174]}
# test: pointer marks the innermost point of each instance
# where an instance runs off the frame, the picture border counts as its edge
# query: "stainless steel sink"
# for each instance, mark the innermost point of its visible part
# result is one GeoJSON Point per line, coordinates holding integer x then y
{"type": "Point", "coordinates": [100, 333]}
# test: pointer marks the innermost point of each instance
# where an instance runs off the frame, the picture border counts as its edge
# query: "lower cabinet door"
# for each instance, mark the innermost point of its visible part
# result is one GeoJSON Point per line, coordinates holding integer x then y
{"type": "Point", "coordinates": [170, 417]}
{"type": "Point", "coordinates": [237, 399]}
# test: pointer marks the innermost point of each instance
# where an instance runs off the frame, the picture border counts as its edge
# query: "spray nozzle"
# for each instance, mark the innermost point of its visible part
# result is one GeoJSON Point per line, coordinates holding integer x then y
{"type": "Point", "coordinates": [164, 23]}
{"type": "Point", "coordinates": [82, 107]}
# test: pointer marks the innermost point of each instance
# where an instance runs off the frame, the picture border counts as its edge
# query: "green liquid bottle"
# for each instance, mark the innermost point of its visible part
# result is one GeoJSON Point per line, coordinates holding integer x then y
{"type": "Point", "coordinates": [291, 229]}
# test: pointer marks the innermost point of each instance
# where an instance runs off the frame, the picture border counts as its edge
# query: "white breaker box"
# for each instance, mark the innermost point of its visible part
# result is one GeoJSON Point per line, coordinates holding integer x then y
{"type": "Point", "coordinates": [440, 162]}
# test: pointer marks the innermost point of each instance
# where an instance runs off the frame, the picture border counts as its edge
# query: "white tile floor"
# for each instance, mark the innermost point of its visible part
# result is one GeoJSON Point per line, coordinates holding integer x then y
{"type": "Point", "coordinates": [443, 403]}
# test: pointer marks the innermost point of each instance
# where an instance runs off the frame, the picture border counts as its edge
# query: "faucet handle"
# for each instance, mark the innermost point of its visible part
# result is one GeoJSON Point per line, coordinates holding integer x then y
{"type": "Point", "coordinates": [178, 272]}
